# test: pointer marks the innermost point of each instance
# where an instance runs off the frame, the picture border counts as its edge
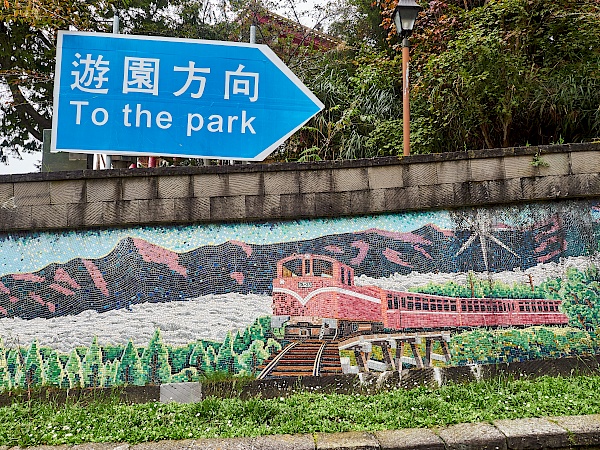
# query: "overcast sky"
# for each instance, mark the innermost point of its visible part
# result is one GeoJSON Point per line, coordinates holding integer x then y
{"type": "Point", "coordinates": [26, 165]}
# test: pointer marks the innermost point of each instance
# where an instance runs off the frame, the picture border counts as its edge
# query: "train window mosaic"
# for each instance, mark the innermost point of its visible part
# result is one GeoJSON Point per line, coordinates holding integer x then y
{"type": "Point", "coordinates": [313, 297]}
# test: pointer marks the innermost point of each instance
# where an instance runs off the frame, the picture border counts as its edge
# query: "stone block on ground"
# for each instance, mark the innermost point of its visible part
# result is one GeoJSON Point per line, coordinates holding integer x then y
{"type": "Point", "coordinates": [473, 436]}
{"type": "Point", "coordinates": [352, 440]}
{"type": "Point", "coordinates": [199, 444]}
{"type": "Point", "coordinates": [284, 442]}
{"type": "Point", "coordinates": [46, 447]}
{"type": "Point", "coordinates": [181, 392]}
{"type": "Point", "coordinates": [278, 442]}
{"type": "Point", "coordinates": [409, 439]}
{"type": "Point", "coordinates": [533, 433]}
{"type": "Point", "coordinates": [583, 430]}
{"type": "Point", "coordinates": [100, 446]}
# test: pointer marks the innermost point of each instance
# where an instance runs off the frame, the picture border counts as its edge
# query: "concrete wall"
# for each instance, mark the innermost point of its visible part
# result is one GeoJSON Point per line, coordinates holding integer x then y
{"type": "Point", "coordinates": [93, 273]}
{"type": "Point", "coordinates": [88, 199]}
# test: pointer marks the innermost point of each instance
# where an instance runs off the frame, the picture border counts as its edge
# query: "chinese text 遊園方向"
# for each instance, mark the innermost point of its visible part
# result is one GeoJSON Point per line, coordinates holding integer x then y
{"type": "Point", "coordinates": [141, 75]}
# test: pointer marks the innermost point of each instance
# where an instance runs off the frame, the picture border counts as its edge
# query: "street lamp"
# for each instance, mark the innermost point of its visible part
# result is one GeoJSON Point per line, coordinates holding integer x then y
{"type": "Point", "coordinates": [405, 16]}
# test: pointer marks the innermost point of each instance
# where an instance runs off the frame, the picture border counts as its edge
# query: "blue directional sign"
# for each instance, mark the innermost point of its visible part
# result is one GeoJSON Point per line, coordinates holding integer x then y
{"type": "Point", "coordinates": [141, 95]}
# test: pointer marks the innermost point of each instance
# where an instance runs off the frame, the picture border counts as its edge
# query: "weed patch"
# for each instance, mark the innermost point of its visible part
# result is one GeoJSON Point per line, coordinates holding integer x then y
{"type": "Point", "coordinates": [31, 423]}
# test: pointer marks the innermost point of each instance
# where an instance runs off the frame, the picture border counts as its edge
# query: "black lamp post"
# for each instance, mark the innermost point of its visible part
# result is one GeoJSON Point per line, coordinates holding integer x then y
{"type": "Point", "coordinates": [405, 16]}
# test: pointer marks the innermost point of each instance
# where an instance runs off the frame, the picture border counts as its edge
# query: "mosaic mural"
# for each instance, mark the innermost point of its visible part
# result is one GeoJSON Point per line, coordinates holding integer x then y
{"type": "Point", "coordinates": [166, 304]}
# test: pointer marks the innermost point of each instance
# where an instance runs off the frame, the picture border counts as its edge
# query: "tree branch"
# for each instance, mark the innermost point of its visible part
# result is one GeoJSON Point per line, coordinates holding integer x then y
{"type": "Point", "coordinates": [29, 125]}
{"type": "Point", "coordinates": [27, 112]}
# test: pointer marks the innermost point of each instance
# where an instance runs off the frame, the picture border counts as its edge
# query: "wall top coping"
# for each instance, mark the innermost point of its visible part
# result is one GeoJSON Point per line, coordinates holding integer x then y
{"type": "Point", "coordinates": [292, 166]}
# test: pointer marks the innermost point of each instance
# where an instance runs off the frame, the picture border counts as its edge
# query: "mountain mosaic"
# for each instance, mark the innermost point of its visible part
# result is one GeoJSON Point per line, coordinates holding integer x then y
{"type": "Point", "coordinates": [137, 271]}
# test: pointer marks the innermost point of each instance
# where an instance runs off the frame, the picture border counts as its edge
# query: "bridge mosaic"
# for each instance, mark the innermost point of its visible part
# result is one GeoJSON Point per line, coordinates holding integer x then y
{"type": "Point", "coordinates": [164, 304]}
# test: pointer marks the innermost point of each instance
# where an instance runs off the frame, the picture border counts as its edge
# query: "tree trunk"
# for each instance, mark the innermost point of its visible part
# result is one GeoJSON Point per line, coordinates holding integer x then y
{"type": "Point", "coordinates": [486, 136]}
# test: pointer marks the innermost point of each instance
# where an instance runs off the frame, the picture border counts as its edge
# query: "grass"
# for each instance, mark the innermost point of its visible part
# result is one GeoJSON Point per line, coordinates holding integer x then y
{"type": "Point", "coordinates": [35, 423]}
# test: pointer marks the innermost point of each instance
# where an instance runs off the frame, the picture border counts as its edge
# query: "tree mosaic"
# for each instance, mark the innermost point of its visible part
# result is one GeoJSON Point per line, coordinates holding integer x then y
{"type": "Point", "coordinates": [512, 345]}
{"type": "Point", "coordinates": [580, 296]}
{"type": "Point", "coordinates": [129, 368]}
{"type": "Point", "coordinates": [240, 354]}
{"type": "Point", "coordinates": [5, 378]}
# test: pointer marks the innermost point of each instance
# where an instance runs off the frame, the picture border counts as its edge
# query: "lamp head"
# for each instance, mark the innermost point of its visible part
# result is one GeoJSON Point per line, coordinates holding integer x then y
{"type": "Point", "coordinates": [405, 16]}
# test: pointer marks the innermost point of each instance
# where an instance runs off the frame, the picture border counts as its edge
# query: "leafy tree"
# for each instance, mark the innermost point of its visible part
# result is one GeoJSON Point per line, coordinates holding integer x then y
{"type": "Point", "coordinates": [14, 361]}
{"type": "Point", "coordinates": [129, 370]}
{"type": "Point", "coordinates": [490, 83]}
{"type": "Point", "coordinates": [111, 352]}
{"type": "Point", "coordinates": [27, 50]}
{"type": "Point", "coordinates": [200, 360]}
{"type": "Point", "coordinates": [195, 19]}
{"type": "Point", "coordinates": [19, 379]}
{"type": "Point", "coordinates": [360, 92]}
{"type": "Point", "coordinates": [358, 23]}
{"type": "Point", "coordinates": [28, 33]}
{"type": "Point", "coordinates": [272, 346]}
{"type": "Point", "coordinates": [5, 383]}
{"type": "Point", "coordinates": [63, 358]}
{"type": "Point", "coordinates": [188, 374]}
{"type": "Point", "coordinates": [92, 366]}
{"type": "Point", "coordinates": [180, 357]}
{"type": "Point", "coordinates": [503, 73]}
{"type": "Point", "coordinates": [226, 358]}
{"type": "Point", "coordinates": [54, 372]}
{"type": "Point", "coordinates": [109, 377]}
{"type": "Point", "coordinates": [265, 326]}
{"type": "Point", "coordinates": [246, 337]}
{"type": "Point", "coordinates": [34, 367]}
{"type": "Point", "coordinates": [155, 360]}
{"type": "Point", "coordinates": [239, 345]}
{"type": "Point", "coordinates": [212, 357]}
{"type": "Point", "coordinates": [251, 358]}
{"type": "Point", "coordinates": [580, 295]}
{"type": "Point", "coordinates": [74, 371]}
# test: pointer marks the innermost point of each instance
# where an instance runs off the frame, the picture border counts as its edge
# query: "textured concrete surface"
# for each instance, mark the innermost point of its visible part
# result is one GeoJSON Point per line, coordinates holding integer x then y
{"type": "Point", "coordinates": [101, 446]}
{"type": "Point", "coordinates": [473, 436]}
{"type": "Point", "coordinates": [583, 430]}
{"type": "Point", "coordinates": [181, 392]}
{"type": "Point", "coordinates": [50, 447]}
{"type": "Point", "coordinates": [414, 439]}
{"type": "Point", "coordinates": [279, 442]}
{"type": "Point", "coordinates": [532, 433]}
{"type": "Point", "coordinates": [353, 440]}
